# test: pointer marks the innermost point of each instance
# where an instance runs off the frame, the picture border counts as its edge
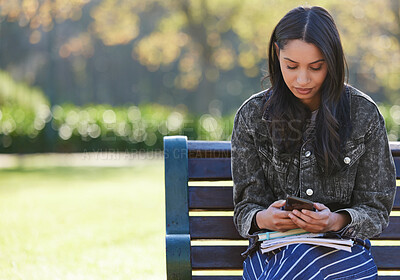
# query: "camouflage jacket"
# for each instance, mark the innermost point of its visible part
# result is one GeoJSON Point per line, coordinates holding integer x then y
{"type": "Point", "coordinates": [365, 186]}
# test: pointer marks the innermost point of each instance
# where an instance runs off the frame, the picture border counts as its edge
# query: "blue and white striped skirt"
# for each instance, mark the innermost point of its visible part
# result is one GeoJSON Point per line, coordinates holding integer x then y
{"type": "Point", "coordinates": [304, 261]}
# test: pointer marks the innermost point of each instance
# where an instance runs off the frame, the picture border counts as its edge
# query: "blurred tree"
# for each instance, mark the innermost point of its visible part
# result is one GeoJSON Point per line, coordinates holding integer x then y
{"type": "Point", "coordinates": [371, 37]}
{"type": "Point", "coordinates": [204, 53]}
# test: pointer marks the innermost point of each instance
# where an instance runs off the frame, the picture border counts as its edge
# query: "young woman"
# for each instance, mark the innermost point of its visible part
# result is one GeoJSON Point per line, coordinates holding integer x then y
{"type": "Point", "coordinates": [313, 136]}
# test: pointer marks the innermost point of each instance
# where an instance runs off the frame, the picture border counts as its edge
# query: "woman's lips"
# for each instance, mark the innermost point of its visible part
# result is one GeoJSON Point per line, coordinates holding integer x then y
{"type": "Point", "coordinates": [303, 90]}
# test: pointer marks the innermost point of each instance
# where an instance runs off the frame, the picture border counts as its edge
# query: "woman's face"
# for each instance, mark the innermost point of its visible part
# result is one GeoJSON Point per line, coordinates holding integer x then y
{"type": "Point", "coordinates": [304, 70]}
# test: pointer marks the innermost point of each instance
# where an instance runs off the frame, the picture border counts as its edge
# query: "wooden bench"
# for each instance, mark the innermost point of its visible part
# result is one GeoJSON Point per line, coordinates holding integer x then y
{"type": "Point", "coordinates": [200, 235]}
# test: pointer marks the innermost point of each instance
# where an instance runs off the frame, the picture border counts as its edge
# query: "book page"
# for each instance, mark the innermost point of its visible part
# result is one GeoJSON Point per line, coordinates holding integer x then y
{"type": "Point", "coordinates": [340, 244]}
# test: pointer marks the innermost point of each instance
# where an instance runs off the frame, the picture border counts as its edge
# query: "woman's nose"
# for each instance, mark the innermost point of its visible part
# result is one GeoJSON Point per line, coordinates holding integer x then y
{"type": "Point", "coordinates": [303, 78]}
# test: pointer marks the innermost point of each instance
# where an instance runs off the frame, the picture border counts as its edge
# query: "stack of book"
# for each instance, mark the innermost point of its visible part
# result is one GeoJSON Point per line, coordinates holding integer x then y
{"type": "Point", "coordinates": [275, 239]}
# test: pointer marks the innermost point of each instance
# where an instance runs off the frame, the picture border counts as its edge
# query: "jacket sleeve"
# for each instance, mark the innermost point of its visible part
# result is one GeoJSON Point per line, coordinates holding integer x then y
{"type": "Point", "coordinates": [250, 191]}
{"type": "Point", "coordinates": [375, 186]}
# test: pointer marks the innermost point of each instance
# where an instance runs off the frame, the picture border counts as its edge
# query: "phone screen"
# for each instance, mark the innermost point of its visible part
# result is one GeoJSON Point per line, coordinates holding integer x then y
{"type": "Point", "coordinates": [293, 202]}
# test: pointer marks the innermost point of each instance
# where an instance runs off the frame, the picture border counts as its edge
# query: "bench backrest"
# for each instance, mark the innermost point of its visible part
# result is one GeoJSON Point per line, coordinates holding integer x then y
{"type": "Point", "coordinates": [199, 207]}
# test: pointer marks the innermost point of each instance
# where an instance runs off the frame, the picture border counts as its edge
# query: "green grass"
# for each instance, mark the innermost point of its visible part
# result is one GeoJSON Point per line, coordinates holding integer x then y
{"type": "Point", "coordinates": [82, 222]}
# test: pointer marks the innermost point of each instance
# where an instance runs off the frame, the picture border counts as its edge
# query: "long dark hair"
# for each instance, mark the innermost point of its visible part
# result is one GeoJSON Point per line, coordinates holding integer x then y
{"type": "Point", "coordinates": [286, 113]}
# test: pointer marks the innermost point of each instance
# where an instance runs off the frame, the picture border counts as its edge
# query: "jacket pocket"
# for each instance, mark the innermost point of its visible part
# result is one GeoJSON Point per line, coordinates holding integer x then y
{"type": "Point", "coordinates": [275, 170]}
{"type": "Point", "coordinates": [346, 177]}
{"type": "Point", "coordinates": [352, 152]}
{"type": "Point", "coordinates": [280, 165]}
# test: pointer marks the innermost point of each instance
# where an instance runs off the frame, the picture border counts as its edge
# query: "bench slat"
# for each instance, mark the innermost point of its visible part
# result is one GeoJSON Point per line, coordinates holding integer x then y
{"type": "Point", "coordinates": [222, 227]}
{"type": "Point", "coordinates": [211, 169]}
{"type": "Point", "coordinates": [220, 198]}
{"type": "Point", "coordinates": [228, 257]}
{"type": "Point", "coordinates": [217, 257]}
{"type": "Point", "coordinates": [209, 149]}
{"type": "Point", "coordinates": [392, 232]}
{"type": "Point", "coordinates": [397, 163]}
{"type": "Point", "coordinates": [386, 257]}
{"type": "Point", "coordinates": [213, 228]}
{"type": "Point", "coordinates": [211, 198]}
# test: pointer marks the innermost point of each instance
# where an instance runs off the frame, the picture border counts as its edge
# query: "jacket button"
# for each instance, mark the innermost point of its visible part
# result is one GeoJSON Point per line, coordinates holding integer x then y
{"type": "Point", "coordinates": [309, 192]}
{"type": "Point", "coordinates": [308, 153]}
{"type": "Point", "coordinates": [346, 160]}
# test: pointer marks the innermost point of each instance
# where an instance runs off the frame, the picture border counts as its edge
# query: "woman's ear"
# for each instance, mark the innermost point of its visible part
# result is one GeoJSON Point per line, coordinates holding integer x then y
{"type": "Point", "coordinates": [276, 49]}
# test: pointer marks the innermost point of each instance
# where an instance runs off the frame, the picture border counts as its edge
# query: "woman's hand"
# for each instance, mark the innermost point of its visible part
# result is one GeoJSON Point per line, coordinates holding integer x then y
{"type": "Point", "coordinates": [274, 218]}
{"type": "Point", "coordinates": [322, 220]}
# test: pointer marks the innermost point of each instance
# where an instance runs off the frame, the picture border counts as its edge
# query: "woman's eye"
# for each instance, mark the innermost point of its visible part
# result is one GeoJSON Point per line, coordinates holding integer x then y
{"type": "Point", "coordinates": [316, 69]}
{"type": "Point", "coordinates": [312, 68]}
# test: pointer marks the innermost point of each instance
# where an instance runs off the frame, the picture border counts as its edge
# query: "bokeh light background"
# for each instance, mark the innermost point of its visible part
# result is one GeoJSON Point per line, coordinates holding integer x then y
{"type": "Point", "coordinates": [78, 74]}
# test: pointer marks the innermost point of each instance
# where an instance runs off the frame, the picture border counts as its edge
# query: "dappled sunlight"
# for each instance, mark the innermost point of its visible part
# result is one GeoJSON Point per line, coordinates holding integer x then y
{"type": "Point", "coordinates": [84, 46]}
{"type": "Point", "coordinates": [115, 23]}
{"type": "Point", "coordinates": [192, 54]}
{"type": "Point", "coordinates": [80, 45]}
{"type": "Point", "coordinates": [181, 26]}
{"type": "Point", "coordinates": [153, 50]}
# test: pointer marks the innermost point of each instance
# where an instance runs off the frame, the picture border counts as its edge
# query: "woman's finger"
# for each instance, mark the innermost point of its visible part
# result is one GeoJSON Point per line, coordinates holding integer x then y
{"type": "Point", "coordinates": [305, 216]}
{"type": "Point", "coordinates": [321, 215]}
{"type": "Point", "coordinates": [296, 220]}
{"type": "Point", "coordinates": [315, 228]}
{"type": "Point", "coordinates": [320, 206]}
{"type": "Point", "coordinates": [278, 204]}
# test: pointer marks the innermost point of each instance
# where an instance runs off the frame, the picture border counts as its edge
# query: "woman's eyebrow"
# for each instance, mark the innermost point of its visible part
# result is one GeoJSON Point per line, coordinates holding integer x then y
{"type": "Point", "coordinates": [319, 60]}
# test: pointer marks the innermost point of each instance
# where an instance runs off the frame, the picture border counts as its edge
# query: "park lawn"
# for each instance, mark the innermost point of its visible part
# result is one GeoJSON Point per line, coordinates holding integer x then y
{"type": "Point", "coordinates": [82, 222]}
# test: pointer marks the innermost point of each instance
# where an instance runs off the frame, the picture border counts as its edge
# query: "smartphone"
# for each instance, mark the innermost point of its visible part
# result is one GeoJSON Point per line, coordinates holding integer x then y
{"type": "Point", "coordinates": [293, 202]}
